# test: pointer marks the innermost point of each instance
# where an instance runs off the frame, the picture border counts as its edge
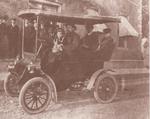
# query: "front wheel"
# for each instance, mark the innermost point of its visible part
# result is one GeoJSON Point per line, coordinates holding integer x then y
{"type": "Point", "coordinates": [106, 88]}
{"type": "Point", "coordinates": [11, 86]}
{"type": "Point", "coordinates": [36, 95]}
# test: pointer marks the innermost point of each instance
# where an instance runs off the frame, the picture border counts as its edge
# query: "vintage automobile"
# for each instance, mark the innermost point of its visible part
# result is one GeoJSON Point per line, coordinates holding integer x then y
{"type": "Point", "coordinates": [37, 85]}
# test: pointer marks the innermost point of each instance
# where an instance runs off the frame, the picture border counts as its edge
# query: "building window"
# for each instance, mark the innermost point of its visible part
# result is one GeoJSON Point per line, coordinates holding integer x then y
{"type": "Point", "coordinates": [122, 43]}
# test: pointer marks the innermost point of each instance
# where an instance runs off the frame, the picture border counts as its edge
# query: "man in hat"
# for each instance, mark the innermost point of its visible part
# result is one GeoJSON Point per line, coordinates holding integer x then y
{"type": "Point", "coordinates": [13, 38]}
{"type": "Point", "coordinates": [90, 41]}
{"type": "Point", "coordinates": [106, 47]}
{"type": "Point", "coordinates": [89, 48]}
{"type": "Point", "coordinates": [29, 36]}
{"type": "Point", "coordinates": [71, 40]}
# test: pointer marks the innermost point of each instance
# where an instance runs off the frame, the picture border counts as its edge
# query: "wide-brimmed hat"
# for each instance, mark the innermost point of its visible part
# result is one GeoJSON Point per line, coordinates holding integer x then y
{"type": "Point", "coordinates": [73, 25]}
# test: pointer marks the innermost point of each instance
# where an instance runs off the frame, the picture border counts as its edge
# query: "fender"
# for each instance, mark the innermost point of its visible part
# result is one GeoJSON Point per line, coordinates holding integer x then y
{"type": "Point", "coordinates": [47, 77]}
{"type": "Point", "coordinates": [95, 76]}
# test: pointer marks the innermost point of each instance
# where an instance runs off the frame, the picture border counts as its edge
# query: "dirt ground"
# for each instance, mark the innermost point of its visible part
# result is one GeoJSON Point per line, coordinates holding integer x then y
{"type": "Point", "coordinates": [130, 104]}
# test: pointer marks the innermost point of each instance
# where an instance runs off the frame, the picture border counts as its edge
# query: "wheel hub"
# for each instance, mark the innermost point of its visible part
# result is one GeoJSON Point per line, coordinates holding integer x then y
{"type": "Point", "coordinates": [105, 88]}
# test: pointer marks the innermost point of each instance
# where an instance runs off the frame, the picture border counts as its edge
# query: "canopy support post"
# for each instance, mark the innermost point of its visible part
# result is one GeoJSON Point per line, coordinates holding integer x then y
{"type": "Point", "coordinates": [36, 38]}
{"type": "Point", "coordinates": [22, 42]}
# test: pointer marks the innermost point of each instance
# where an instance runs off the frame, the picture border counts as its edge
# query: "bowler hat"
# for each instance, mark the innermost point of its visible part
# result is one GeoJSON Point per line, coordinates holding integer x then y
{"type": "Point", "coordinates": [14, 19]}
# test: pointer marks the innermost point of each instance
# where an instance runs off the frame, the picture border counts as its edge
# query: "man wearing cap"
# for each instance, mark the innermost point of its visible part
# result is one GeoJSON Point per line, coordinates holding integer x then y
{"type": "Point", "coordinates": [90, 42]}
{"type": "Point", "coordinates": [89, 47]}
{"type": "Point", "coordinates": [13, 38]}
{"type": "Point", "coordinates": [106, 47]}
{"type": "Point", "coordinates": [71, 40]}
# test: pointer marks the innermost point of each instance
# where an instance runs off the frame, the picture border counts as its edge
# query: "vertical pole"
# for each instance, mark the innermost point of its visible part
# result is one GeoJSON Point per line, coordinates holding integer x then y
{"type": "Point", "coordinates": [36, 39]}
{"type": "Point", "coordinates": [22, 43]}
{"type": "Point", "coordinates": [148, 2]}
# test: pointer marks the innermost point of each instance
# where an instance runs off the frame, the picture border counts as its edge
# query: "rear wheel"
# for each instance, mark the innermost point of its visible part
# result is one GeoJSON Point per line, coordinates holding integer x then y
{"type": "Point", "coordinates": [106, 88]}
{"type": "Point", "coordinates": [10, 85]}
{"type": "Point", "coordinates": [36, 95]}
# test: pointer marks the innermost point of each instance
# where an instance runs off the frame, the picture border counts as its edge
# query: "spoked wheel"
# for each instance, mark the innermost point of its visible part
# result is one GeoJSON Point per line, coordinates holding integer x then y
{"type": "Point", "coordinates": [106, 88]}
{"type": "Point", "coordinates": [35, 95]}
{"type": "Point", "coordinates": [10, 85]}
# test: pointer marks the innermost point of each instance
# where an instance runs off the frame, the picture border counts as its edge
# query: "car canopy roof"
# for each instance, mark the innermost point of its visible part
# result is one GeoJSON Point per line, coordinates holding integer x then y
{"type": "Point", "coordinates": [63, 18]}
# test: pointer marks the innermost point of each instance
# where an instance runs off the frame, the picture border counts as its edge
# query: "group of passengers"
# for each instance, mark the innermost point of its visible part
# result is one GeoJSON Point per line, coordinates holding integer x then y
{"type": "Point", "coordinates": [93, 45]}
{"type": "Point", "coordinates": [57, 37]}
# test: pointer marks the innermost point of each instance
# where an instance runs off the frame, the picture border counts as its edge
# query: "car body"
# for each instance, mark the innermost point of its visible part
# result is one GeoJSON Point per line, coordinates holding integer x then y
{"type": "Point", "coordinates": [36, 82]}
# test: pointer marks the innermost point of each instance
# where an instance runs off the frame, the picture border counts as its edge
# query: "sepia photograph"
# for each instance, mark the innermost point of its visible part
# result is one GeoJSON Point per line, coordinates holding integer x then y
{"type": "Point", "coordinates": [74, 59]}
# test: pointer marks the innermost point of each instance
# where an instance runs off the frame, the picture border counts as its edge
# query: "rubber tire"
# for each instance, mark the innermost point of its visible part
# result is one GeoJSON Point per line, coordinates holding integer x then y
{"type": "Point", "coordinates": [6, 88]}
{"type": "Point", "coordinates": [99, 79]}
{"type": "Point", "coordinates": [25, 87]}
